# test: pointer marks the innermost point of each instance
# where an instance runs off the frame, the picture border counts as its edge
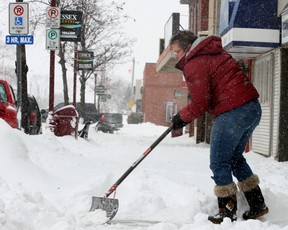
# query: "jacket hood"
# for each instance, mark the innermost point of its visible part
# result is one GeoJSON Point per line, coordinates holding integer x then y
{"type": "Point", "coordinates": [202, 46]}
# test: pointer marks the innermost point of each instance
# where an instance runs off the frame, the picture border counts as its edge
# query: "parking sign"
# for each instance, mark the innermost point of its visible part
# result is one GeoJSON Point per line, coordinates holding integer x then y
{"type": "Point", "coordinates": [18, 18]}
{"type": "Point", "coordinates": [52, 39]}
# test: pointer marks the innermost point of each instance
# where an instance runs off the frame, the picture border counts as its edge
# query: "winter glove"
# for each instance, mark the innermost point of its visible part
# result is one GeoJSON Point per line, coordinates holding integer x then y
{"type": "Point", "coordinates": [178, 122]}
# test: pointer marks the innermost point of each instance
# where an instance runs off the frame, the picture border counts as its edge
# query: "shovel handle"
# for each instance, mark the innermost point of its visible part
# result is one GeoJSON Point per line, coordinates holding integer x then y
{"type": "Point", "coordinates": [134, 165]}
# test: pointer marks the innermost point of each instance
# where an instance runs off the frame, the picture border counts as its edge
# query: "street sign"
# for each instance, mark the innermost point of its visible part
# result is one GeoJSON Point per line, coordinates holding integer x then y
{"type": "Point", "coordinates": [53, 17]}
{"type": "Point", "coordinates": [131, 104]}
{"type": "Point", "coordinates": [85, 60]}
{"type": "Point", "coordinates": [100, 89]}
{"type": "Point", "coordinates": [19, 40]}
{"type": "Point", "coordinates": [71, 25]}
{"type": "Point", "coordinates": [18, 18]}
{"type": "Point", "coordinates": [52, 39]}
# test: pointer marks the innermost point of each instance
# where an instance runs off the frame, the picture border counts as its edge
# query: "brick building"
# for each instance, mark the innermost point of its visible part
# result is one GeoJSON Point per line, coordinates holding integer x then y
{"type": "Point", "coordinates": [163, 95]}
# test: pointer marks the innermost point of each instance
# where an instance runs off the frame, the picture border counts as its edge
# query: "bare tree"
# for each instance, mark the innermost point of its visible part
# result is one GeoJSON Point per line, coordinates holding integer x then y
{"type": "Point", "coordinates": [101, 33]}
{"type": "Point", "coordinates": [118, 92]}
{"type": "Point", "coordinates": [121, 92]}
{"type": "Point", "coordinates": [62, 62]}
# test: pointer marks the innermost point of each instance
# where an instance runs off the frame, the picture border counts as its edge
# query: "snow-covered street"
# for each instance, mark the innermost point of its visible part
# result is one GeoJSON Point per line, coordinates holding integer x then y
{"type": "Point", "coordinates": [47, 182]}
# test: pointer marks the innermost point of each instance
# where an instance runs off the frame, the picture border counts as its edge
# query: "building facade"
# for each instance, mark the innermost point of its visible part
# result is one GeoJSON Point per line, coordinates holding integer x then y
{"type": "Point", "coordinates": [260, 39]}
{"type": "Point", "coordinates": [163, 95]}
{"type": "Point", "coordinates": [256, 34]}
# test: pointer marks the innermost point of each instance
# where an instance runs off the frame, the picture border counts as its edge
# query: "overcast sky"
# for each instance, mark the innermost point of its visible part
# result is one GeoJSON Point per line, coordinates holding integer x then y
{"type": "Point", "coordinates": [150, 17]}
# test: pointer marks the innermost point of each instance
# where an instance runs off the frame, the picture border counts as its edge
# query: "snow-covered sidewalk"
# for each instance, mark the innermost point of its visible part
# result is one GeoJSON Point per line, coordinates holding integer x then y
{"type": "Point", "coordinates": [46, 182]}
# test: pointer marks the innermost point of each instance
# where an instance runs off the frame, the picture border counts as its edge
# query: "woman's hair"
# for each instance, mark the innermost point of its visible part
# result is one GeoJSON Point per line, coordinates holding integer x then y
{"type": "Point", "coordinates": [183, 38]}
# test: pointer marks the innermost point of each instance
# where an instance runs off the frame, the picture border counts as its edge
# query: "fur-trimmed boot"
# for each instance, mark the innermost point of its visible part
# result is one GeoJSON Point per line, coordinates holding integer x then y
{"type": "Point", "coordinates": [227, 203]}
{"type": "Point", "coordinates": [254, 198]}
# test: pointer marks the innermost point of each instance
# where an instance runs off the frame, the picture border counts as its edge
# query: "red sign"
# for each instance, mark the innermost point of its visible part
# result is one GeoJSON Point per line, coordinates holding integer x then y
{"type": "Point", "coordinates": [53, 12]}
{"type": "Point", "coordinates": [18, 10]}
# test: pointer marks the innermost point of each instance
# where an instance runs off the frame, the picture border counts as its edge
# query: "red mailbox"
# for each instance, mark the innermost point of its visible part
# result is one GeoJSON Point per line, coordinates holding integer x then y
{"type": "Point", "coordinates": [65, 121]}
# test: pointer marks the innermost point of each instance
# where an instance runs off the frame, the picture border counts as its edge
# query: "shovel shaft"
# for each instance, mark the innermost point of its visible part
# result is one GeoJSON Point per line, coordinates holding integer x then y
{"type": "Point", "coordinates": [134, 165]}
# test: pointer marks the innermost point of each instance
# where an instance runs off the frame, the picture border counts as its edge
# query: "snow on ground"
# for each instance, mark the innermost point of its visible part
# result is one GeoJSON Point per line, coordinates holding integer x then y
{"type": "Point", "coordinates": [47, 182]}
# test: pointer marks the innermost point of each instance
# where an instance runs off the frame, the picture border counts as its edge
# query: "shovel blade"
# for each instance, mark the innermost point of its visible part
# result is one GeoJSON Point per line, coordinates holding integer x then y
{"type": "Point", "coordinates": [110, 206]}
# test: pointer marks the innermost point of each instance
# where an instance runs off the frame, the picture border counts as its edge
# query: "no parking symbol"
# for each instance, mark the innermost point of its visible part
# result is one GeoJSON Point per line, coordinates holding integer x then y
{"type": "Point", "coordinates": [18, 10]}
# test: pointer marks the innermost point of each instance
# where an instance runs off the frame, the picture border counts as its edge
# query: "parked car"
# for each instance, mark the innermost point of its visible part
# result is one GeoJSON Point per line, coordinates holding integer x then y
{"type": "Point", "coordinates": [91, 113]}
{"type": "Point", "coordinates": [34, 118]}
{"type": "Point", "coordinates": [8, 110]}
{"type": "Point", "coordinates": [110, 122]}
{"type": "Point", "coordinates": [135, 118]}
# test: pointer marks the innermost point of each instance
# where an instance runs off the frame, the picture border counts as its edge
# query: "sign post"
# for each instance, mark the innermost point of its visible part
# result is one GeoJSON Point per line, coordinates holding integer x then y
{"type": "Point", "coordinates": [18, 25]}
{"type": "Point", "coordinates": [19, 84]}
{"type": "Point", "coordinates": [52, 44]}
{"type": "Point", "coordinates": [75, 72]}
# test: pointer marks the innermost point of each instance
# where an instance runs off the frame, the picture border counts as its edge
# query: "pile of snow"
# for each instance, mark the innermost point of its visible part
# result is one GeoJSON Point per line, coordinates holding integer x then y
{"type": "Point", "coordinates": [47, 182]}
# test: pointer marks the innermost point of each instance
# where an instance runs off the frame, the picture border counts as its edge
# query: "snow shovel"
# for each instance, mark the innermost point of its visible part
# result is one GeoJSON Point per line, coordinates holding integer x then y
{"type": "Point", "coordinates": [111, 205]}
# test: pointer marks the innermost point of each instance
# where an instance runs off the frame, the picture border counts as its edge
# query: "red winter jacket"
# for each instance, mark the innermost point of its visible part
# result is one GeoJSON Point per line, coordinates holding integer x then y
{"type": "Point", "coordinates": [215, 80]}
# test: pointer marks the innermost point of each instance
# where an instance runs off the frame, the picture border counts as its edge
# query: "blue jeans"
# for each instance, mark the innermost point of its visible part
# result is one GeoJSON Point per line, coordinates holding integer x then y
{"type": "Point", "coordinates": [230, 133]}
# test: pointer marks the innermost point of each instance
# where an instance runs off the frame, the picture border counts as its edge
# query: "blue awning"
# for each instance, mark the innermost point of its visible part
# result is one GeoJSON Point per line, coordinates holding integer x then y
{"type": "Point", "coordinates": [249, 28]}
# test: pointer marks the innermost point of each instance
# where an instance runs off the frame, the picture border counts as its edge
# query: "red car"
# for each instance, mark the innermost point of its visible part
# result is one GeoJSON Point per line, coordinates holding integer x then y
{"type": "Point", "coordinates": [8, 110]}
